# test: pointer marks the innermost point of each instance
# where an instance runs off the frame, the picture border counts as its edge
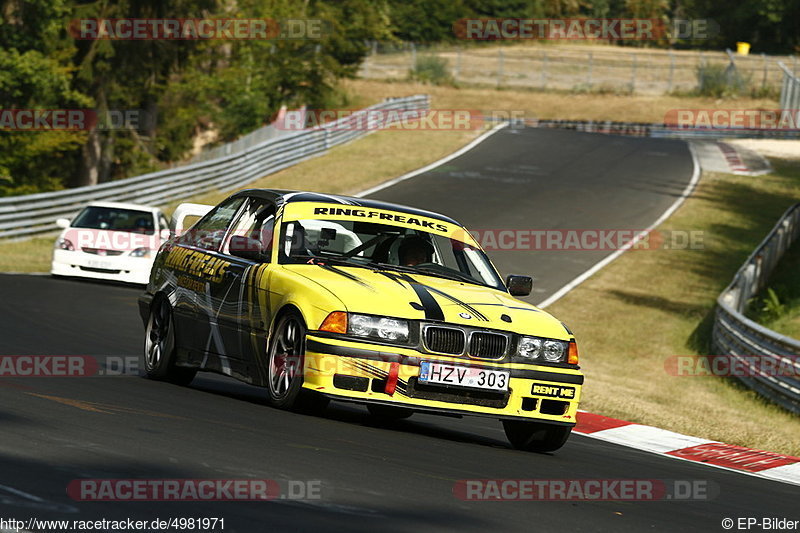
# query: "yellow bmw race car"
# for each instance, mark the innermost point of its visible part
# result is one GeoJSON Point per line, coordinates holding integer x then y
{"type": "Point", "coordinates": [318, 297]}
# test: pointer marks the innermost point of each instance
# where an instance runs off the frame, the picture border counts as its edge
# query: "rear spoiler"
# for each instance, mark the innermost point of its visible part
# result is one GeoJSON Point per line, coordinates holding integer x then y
{"type": "Point", "coordinates": [187, 210]}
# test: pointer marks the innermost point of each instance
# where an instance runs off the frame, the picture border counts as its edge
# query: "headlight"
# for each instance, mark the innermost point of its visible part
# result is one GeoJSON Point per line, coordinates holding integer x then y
{"type": "Point", "coordinates": [534, 348]}
{"type": "Point", "coordinates": [387, 329]}
{"type": "Point", "coordinates": [141, 252]}
{"type": "Point", "coordinates": [65, 244]}
{"type": "Point", "coordinates": [529, 347]}
{"type": "Point", "coordinates": [554, 351]}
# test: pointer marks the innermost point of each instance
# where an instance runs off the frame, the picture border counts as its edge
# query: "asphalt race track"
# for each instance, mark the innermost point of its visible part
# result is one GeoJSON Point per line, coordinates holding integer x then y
{"type": "Point", "coordinates": [374, 476]}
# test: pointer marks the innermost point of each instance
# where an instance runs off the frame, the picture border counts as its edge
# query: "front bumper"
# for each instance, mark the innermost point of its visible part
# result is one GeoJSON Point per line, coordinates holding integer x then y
{"type": "Point", "coordinates": [121, 268]}
{"type": "Point", "coordinates": [359, 372]}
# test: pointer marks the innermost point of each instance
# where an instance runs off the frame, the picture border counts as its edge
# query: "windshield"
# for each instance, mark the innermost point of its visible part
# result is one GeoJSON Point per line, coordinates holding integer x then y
{"type": "Point", "coordinates": [384, 246]}
{"type": "Point", "coordinates": [115, 219]}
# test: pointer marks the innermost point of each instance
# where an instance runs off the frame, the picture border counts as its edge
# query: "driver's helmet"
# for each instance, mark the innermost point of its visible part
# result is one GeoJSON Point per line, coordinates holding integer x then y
{"type": "Point", "coordinates": [414, 250]}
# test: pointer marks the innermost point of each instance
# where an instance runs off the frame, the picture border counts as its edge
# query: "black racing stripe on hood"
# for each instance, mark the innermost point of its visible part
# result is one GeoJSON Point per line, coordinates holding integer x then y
{"type": "Point", "coordinates": [475, 312]}
{"type": "Point", "coordinates": [348, 275]}
{"type": "Point", "coordinates": [433, 310]}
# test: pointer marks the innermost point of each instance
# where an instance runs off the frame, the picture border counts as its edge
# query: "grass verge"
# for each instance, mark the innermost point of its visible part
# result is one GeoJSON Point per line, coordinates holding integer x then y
{"type": "Point", "coordinates": [551, 104]}
{"type": "Point", "coordinates": [662, 304]}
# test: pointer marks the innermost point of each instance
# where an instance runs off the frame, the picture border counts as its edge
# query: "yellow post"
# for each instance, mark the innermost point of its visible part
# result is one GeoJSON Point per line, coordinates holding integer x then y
{"type": "Point", "coordinates": [742, 48]}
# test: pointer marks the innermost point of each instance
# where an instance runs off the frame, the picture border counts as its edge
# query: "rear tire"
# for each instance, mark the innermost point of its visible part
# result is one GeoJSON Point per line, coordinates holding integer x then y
{"type": "Point", "coordinates": [536, 436]}
{"type": "Point", "coordinates": [159, 347]}
{"type": "Point", "coordinates": [388, 412]}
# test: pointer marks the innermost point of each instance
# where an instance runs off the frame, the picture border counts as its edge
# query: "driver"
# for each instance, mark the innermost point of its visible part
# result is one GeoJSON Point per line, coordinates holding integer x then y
{"type": "Point", "coordinates": [415, 250]}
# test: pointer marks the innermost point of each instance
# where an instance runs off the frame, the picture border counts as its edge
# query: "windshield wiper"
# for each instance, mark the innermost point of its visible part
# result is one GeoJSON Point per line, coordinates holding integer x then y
{"type": "Point", "coordinates": [455, 276]}
{"type": "Point", "coordinates": [377, 265]}
{"type": "Point", "coordinates": [450, 274]}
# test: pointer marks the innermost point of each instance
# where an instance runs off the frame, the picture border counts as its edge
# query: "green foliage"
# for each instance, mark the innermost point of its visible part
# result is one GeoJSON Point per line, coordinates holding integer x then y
{"type": "Point", "coordinates": [32, 161]}
{"type": "Point", "coordinates": [720, 81]}
{"type": "Point", "coordinates": [772, 308]}
{"type": "Point", "coordinates": [432, 69]}
{"type": "Point", "coordinates": [180, 87]}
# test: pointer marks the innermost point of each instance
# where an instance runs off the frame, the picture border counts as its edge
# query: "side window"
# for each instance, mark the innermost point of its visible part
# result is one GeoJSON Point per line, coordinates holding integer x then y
{"type": "Point", "coordinates": [257, 225]}
{"type": "Point", "coordinates": [210, 230]}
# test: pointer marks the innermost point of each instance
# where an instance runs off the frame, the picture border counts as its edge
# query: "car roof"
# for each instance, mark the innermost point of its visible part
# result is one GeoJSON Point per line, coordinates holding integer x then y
{"type": "Point", "coordinates": [122, 205]}
{"type": "Point", "coordinates": [286, 197]}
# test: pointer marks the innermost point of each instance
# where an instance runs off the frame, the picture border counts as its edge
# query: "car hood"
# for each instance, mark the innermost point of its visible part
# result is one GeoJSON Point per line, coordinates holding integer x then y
{"type": "Point", "coordinates": [424, 297]}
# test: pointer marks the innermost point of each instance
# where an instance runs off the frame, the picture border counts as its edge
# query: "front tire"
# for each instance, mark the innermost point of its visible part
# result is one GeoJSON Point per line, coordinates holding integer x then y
{"type": "Point", "coordinates": [285, 364]}
{"type": "Point", "coordinates": [536, 436]}
{"type": "Point", "coordinates": [159, 347]}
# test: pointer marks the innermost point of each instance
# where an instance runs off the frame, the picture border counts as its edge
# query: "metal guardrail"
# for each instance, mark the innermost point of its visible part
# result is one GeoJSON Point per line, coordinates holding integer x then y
{"type": "Point", "coordinates": [737, 337]}
{"type": "Point", "coordinates": [790, 89]}
{"type": "Point", "coordinates": [655, 129]}
{"type": "Point", "coordinates": [33, 214]}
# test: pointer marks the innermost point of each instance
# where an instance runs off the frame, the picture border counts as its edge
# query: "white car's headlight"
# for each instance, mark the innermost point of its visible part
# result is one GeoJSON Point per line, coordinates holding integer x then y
{"type": "Point", "coordinates": [141, 252]}
{"type": "Point", "coordinates": [65, 244]}
{"type": "Point", "coordinates": [534, 348]}
{"type": "Point", "coordinates": [387, 329]}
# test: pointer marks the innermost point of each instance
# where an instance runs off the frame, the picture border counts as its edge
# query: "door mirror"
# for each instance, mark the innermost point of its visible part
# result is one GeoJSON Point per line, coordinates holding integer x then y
{"type": "Point", "coordinates": [246, 248]}
{"type": "Point", "coordinates": [519, 285]}
{"type": "Point", "coordinates": [63, 223]}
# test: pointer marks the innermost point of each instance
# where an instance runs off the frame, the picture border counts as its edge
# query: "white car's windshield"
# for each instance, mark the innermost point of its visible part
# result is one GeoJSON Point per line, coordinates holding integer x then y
{"type": "Point", "coordinates": [115, 219]}
{"type": "Point", "coordinates": [373, 245]}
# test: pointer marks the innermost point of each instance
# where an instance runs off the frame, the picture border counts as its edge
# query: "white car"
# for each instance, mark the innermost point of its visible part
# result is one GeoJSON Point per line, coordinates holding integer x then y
{"type": "Point", "coordinates": [110, 241]}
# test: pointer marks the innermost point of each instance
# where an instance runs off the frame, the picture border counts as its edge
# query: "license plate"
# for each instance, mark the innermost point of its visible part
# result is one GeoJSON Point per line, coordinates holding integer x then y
{"type": "Point", "coordinates": [100, 264]}
{"type": "Point", "coordinates": [463, 376]}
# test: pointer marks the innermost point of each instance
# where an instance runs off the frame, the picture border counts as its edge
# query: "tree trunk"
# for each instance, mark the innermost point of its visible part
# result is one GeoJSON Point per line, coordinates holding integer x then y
{"type": "Point", "coordinates": [91, 153]}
